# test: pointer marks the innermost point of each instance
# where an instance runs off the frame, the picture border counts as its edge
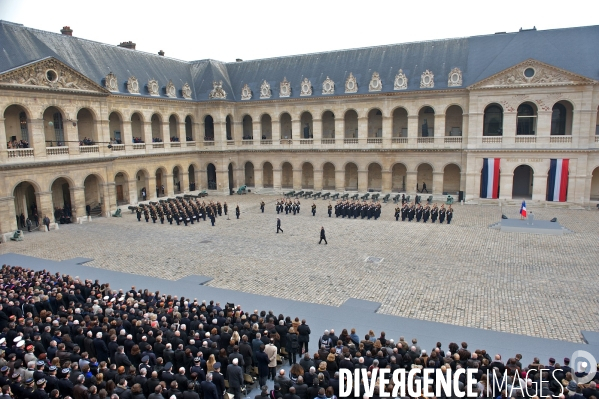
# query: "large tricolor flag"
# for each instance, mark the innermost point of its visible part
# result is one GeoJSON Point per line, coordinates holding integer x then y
{"type": "Point", "coordinates": [523, 209]}
{"type": "Point", "coordinates": [490, 178]}
{"type": "Point", "coordinates": [557, 184]}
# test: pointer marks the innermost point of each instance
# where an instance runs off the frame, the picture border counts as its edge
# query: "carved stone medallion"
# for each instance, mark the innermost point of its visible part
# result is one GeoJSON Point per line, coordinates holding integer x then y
{"type": "Point", "coordinates": [111, 82]}
{"type": "Point", "coordinates": [153, 87]}
{"type": "Point", "coordinates": [217, 91]}
{"type": "Point", "coordinates": [376, 84]}
{"type": "Point", "coordinates": [265, 91]}
{"type": "Point", "coordinates": [186, 91]}
{"type": "Point", "coordinates": [401, 81]}
{"type": "Point", "coordinates": [351, 85]}
{"type": "Point", "coordinates": [171, 91]}
{"type": "Point", "coordinates": [427, 80]}
{"type": "Point", "coordinates": [49, 73]}
{"type": "Point", "coordinates": [285, 90]}
{"type": "Point", "coordinates": [246, 92]}
{"type": "Point", "coordinates": [133, 85]}
{"type": "Point", "coordinates": [455, 78]}
{"type": "Point", "coordinates": [306, 88]}
{"type": "Point", "coordinates": [328, 86]}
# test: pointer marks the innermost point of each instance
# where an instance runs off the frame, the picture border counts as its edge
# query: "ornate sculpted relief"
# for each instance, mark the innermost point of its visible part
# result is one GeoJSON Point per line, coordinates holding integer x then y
{"type": "Point", "coordinates": [375, 83]}
{"type": "Point", "coordinates": [186, 91]}
{"type": "Point", "coordinates": [328, 86]}
{"type": "Point", "coordinates": [546, 103]}
{"type": "Point", "coordinates": [217, 91]}
{"type": "Point", "coordinates": [285, 90]}
{"type": "Point", "coordinates": [401, 81]}
{"type": "Point", "coordinates": [351, 85]}
{"type": "Point", "coordinates": [246, 92]}
{"type": "Point", "coordinates": [427, 80]}
{"type": "Point", "coordinates": [171, 91]}
{"type": "Point", "coordinates": [455, 78]}
{"type": "Point", "coordinates": [153, 87]}
{"type": "Point", "coordinates": [306, 88]}
{"type": "Point", "coordinates": [111, 82]}
{"type": "Point", "coordinates": [265, 91]}
{"type": "Point", "coordinates": [133, 85]}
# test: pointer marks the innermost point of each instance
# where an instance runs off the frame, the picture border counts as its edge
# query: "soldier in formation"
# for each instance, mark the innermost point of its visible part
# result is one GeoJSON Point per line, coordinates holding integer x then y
{"type": "Point", "coordinates": [181, 211]}
{"type": "Point", "coordinates": [357, 209]}
{"type": "Point", "coordinates": [411, 211]}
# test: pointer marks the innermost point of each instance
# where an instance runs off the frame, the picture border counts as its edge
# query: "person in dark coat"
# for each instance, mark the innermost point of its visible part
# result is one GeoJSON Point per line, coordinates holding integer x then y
{"type": "Point", "coordinates": [209, 389]}
{"type": "Point", "coordinates": [293, 345]}
{"type": "Point", "coordinates": [235, 374]}
{"type": "Point", "coordinates": [102, 351]}
{"type": "Point", "coordinates": [262, 359]}
{"type": "Point", "coordinates": [322, 236]}
{"type": "Point", "coordinates": [279, 226]}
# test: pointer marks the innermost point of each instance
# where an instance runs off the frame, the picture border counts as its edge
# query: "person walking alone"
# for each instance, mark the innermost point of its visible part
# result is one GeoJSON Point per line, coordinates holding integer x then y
{"type": "Point", "coordinates": [279, 226]}
{"type": "Point", "coordinates": [322, 236]}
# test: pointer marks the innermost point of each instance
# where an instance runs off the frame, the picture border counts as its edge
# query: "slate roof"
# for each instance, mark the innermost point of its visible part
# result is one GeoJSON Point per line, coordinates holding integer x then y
{"type": "Point", "coordinates": [478, 57]}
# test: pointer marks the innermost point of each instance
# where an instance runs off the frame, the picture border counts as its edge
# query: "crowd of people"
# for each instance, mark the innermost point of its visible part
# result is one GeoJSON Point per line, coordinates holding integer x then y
{"type": "Point", "coordinates": [86, 141]}
{"type": "Point", "coordinates": [174, 139]}
{"type": "Point", "coordinates": [413, 211]}
{"type": "Point", "coordinates": [138, 140]}
{"type": "Point", "coordinates": [17, 144]}
{"type": "Point", "coordinates": [63, 215]}
{"type": "Point", "coordinates": [182, 211]}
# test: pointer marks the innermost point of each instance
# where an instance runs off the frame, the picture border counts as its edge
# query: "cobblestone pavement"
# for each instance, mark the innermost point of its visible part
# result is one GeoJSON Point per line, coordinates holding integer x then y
{"type": "Point", "coordinates": [463, 273]}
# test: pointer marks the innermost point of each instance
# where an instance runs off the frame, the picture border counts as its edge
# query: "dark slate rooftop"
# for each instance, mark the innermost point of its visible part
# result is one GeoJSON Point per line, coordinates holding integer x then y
{"type": "Point", "coordinates": [478, 57]}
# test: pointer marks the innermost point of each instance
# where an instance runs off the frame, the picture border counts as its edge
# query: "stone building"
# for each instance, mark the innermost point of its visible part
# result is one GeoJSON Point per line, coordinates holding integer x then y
{"type": "Point", "coordinates": [89, 123]}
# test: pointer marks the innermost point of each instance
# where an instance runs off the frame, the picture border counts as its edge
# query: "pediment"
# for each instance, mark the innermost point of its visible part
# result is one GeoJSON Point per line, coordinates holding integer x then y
{"type": "Point", "coordinates": [49, 74]}
{"type": "Point", "coordinates": [531, 73]}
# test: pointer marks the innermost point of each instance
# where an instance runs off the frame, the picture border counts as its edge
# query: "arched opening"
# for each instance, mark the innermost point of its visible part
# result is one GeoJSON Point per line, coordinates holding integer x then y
{"type": "Point", "coordinates": [191, 177]}
{"type": "Point", "coordinates": [595, 185]}
{"type": "Point", "coordinates": [398, 177]}
{"type": "Point", "coordinates": [287, 177]}
{"type": "Point", "coordinates": [307, 126]}
{"type": "Point", "coordinates": [561, 119]}
{"type": "Point", "coordinates": [141, 184]}
{"type": "Point", "coordinates": [266, 127]}
{"type": "Point", "coordinates": [453, 121]}
{"type": "Point", "coordinates": [526, 124]}
{"type": "Point", "coordinates": [307, 175]}
{"type": "Point", "coordinates": [451, 179]}
{"type": "Point", "coordinates": [211, 176]}
{"type": "Point", "coordinates": [176, 180]}
{"type": "Point", "coordinates": [156, 129]}
{"type": "Point", "coordinates": [350, 122]}
{"type": "Point", "coordinates": [173, 129]}
{"type": "Point", "coordinates": [160, 182]}
{"type": "Point", "coordinates": [493, 120]}
{"type": "Point", "coordinates": [208, 128]}
{"type": "Point", "coordinates": [426, 122]}
{"type": "Point", "coordinates": [122, 189]}
{"type": "Point", "coordinates": [232, 184]}
{"type": "Point", "coordinates": [53, 127]}
{"type": "Point", "coordinates": [16, 125]}
{"type": "Point", "coordinates": [228, 128]}
{"type": "Point", "coordinates": [137, 128]}
{"type": "Point", "coordinates": [61, 198]}
{"type": "Point", "coordinates": [26, 204]}
{"type": "Point", "coordinates": [115, 126]}
{"type": "Point", "coordinates": [93, 195]}
{"type": "Point", "coordinates": [328, 176]}
{"type": "Point", "coordinates": [248, 128]}
{"type": "Point", "coordinates": [249, 174]}
{"type": "Point", "coordinates": [286, 130]}
{"type": "Point", "coordinates": [375, 123]}
{"type": "Point", "coordinates": [522, 185]}
{"type": "Point", "coordinates": [267, 175]}
{"type": "Point", "coordinates": [351, 177]}
{"type": "Point", "coordinates": [424, 176]}
{"type": "Point", "coordinates": [328, 125]}
{"type": "Point", "coordinates": [86, 127]}
{"type": "Point", "coordinates": [375, 177]}
{"type": "Point", "coordinates": [400, 122]}
{"type": "Point", "coordinates": [189, 136]}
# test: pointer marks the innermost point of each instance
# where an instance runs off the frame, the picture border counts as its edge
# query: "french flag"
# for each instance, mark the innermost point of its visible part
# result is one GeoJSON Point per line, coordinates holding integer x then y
{"type": "Point", "coordinates": [523, 209]}
{"type": "Point", "coordinates": [490, 178]}
{"type": "Point", "coordinates": [557, 185]}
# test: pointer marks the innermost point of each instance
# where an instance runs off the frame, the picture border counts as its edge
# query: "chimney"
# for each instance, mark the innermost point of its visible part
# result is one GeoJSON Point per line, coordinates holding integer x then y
{"type": "Point", "coordinates": [161, 53]}
{"type": "Point", "coordinates": [67, 31]}
{"type": "Point", "coordinates": [238, 60]}
{"type": "Point", "coordinates": [130, 45]}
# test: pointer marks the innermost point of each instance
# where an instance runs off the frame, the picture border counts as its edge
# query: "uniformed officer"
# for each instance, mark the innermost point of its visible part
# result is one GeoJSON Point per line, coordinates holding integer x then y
{"type": "Point", "coordinates": [330, 209]}
{"type": "Point", "coordinates": [426, 214]}
{"type": "Point", "coordinates": [40, 392]}
{"type": "Point", "coordinates": [138, 210]}
{"type": "Point", "coordinates": [449, 214]}
{"type": "Point", "coordinates": [219, 208]}
{"type": "Point", "coordinates": [418, 213]}
{"type": "Point", "coordinates": [442, 214]}
{"type": "Point", "coordinates": [397, 213]}
{"type": "Point", "coordinates": [146, 215]}
{"type": "Point", "coordinates": [434, 213]}
{"type": "Point", "coordinates": [313, 209]}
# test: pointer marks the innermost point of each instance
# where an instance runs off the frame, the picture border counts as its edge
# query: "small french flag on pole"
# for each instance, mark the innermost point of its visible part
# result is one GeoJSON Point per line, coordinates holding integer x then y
{"type": "Point", "coordinates": [523, 209]}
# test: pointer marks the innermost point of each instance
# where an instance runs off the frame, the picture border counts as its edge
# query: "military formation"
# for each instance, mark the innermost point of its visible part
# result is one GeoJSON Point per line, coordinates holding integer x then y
{"type": "Point", "coordinates": [288, 206]}
{"type": "Point", "coordinates": [182, 211]}
{"type": "Point", "coordinates": [357, 209]}
{"type": "Point", "coordinates": [413, 211]}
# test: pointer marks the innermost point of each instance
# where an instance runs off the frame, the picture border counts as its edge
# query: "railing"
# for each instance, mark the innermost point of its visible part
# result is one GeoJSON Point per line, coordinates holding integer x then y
{"type": "Point", "coordinates": [118, 147]}
{"type": "Point", "coordinates": [190, 144]}
{"type": "Point", "coordinates": [175, 144]}
{"type": "Point", "coordinates": [86, 149]}
{"type": "Point", "coordinates": [426, 140]}
{"type": "Point", "coordinates": [453, 139]}
{"type": "Point", "coordinates": [350, 141]}
{"type": "Point", "coordinates": [286, 141]}
{"type": "Point", "coordinates": [265, 142]}
{"type": "Point", "coordinates": [57, 150]}
{"type": "Point", "coordinates": [230, 142]}
{"type": "Point", "coordinates": [20, 152]}
{"type": "Point", "coordinates": [157, 145]}
{"type": "Point", "coordinates": [493, 139]}
{"type": "Point", "coordinates": [208, 143]}
{"type": "Point", "coordinates": [560, 139]}
{"type": "Point", "coordinates": [374, 140]}
{"type": "Point", "coordinates": [526, 139]}
{"type": "Point", "coordinates": [307, 141]}
{"type": "Point", "coordinates": [247, 142]}
{"type": "Point", "coordinates": [139, 146]}
{"type": "Point", "coordinates": [327, 141]}
{"type": "Point", "coordinates": [399, 140]}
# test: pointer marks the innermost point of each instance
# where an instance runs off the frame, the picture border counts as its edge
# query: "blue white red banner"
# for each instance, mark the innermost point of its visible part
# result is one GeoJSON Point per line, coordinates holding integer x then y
{"type": "Point", "coordinates": [557, 181]}
{"type": "Point", "coordinates": [490, 178]}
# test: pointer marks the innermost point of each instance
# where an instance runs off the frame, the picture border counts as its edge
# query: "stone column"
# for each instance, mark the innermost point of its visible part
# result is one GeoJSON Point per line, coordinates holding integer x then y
{"type": "Point", "coordinates": [297, 179]}
{"type": "Point", "coordinates": [317, 130]}
{"type": "Point", "coordinates": [362, 129]}
{"type": "Point", "coordinates": [509, 127]}
{"type": "Point", "coordinates": [44, 205]}
{"type": "Point", "coordinates": [166, 134]}
{"type": "Point", "coordinates": [387, 131]}
{"type": "Point", "coordinates": [181, 133]}
{"type": "Point", "coordinates": [108, 198]}
{"type": "Point", "coordinates": [184, 180]}
{"type": "Point", "coordinates": [37, 138]}
{"type": "Point", "coordinates": [222, 179]}
{"type": "Point", "coordinates": [127, 135]}
{"type": "Point", "coordinates": [3, 141]}
{"type": "Point", "coordinates": [133, 193]}
{"type": "Point", "coordinates": [296, 129]}
{"type": "Point", "coordinates": [362, 180]}
{"type": "Point", "coordinates": [277, 175]}
{"type": "Point", "coordinates": [543, 127]}
{"type": "Point", "coordinates": [147, 134]}
{"type": "Point", "coordinates": [386, 175]}
{"type": "Point", "coordinates": [411, 177]}
{"type": "Point", "coordinates": [539, 187]}
{"type": "Point", "coordinates": [276, 130]}
{"type": "Point", "coordinates": [340, 179]}
{"type": "Point", "coordinates": [71, 137]}
{"type": "Point", "coordinates": [339, 133]}
{"type": "Point", "coordinates": [256, 131]}
{"type": "Point", "coordinates": [169, 187]}
{"type": "Point", "coordinates": [506, 185]}
{"type": "Point", "coordinates": [258, 178]}
{"type": "Point", "coordinates": [437, 188]}
{"type": "Point", "coordinates": [8, 217]}
{"type": "Point", "coordinates": [220, 135]}
{"type": "Point", "coordinates": [78, 202]}
{"type": "Point", "coordinates": [439, 130]}
{"type": "Point", "coordinates": [151, 189]}
{"type": "Point", "coordinates": [412, 133]}
{"type": "Point", "coordinates": [317, 178]}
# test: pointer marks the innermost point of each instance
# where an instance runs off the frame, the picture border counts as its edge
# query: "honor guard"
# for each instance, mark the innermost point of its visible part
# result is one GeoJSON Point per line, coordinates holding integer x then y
{"type": "Point", "coordinates": [434, 213]}
{"type": "Point", "coordinates": [330, 209]}
{"type": "Point", "coordinates": [146, 215]}
{"type": "Point", "coordinates": [442, 214]}
{"type": "Point", "coordinates": [449, 214]}
{"type": "Point", "coordinates": [426, 214]}
{"type": "Point", "coordinates": [397, 213]}
{"type": "Point", "coordinates": [219, 208]}
{"type": "Point", "coordinates": [313, 209]}
{"type": "Point", "coordinates": [418, 213]}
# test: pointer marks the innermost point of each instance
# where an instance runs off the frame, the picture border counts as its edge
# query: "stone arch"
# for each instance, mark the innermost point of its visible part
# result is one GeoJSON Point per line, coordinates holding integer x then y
{"type": "Point", "coordinates": [53, 120]}
{"type": "Point", "coordinates": [351, 176]}
{"type": "Point", "coordinates": [328, 124]}
{"type": "Point", "coordinates": [493, 120]}
{"type": "Point", "coordinates": [142, 183]}
{"type": "Point", "coordinates": [211, 176]}
{"type": "Point", "coordinates": [375, 123]}
{"type": "Point", "coordinates": [399, 172]}
{"type": "Point", "coordinates": [249, 174]}
{"type": "Point", "coordinates": [86, 127]}
{"type": "Point", "coordinates": [286, 126]}
{"type": "Point", "coordinates": [523, 176]}
{"type": "Point", "coordinates": [208, 128]}
{"type": "Point", "coordinates": [350, 124]}
{"type": "Point", "coordinates": [115, 126]}
{"type": "Point", "coordinates": [173, 128]}
{"type": "Point", "coordinates": [266, 127]}
{"type": "Point", "coordinates": [121, 183]}
{"type": "Point", "coordinates": [562, 114]}
{"type": "Point", "coordinates": [94, 194]}
{"type": "Point", "coordinates": [594, 194]}
{"type": "Point", "coordinates": [137, 127]}
{"type": "Point", "coordinates": [191, 176]}
{"type": "Point", "coordinates": [526, 119]}
{"type": "Point", "coordinates": [451, 179]}
{"type": "Point", "coordinates": [267, 175]}
{"type": "Point", "coordinates": [189, 128]}
{"type": "Point", "coordinates": [161, 182]}
{"type": "Point", "coordinates": [26, 201]}
{"type": "Point", "coordinates": [328, 176]}
{"type": "Point", "coordinates": [248, 127]}
{"type": "Point", "coordinates": [229, 127]}
{"type": "Point", "coordinates": [400, 122]}
{"type": "Point", "coordinates": [426, 121]}
{"type": "Point", "coordinates": [307, 125]}
{"type": "Point", "coordinates": [307, 175]}
{"type": "Point", "coordinates": [454, 115]}
{"type": "Point", "coordinates": [424, 176]}
{"type": "Point", "coordinates": [61, 193]}
{"type": "Point", "coordinates": [375, 177]}
{"type": "Point", "coordinates": [156, 122]}
{"type": "Point", "coordinates": [17, 122]}
{"type": "Point", "coordinates": [286, 175]}
{"type": "Point", "coordinates": [177, 171]}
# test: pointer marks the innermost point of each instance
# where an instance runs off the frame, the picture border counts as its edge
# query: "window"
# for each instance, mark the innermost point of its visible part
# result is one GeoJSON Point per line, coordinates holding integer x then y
{"type": "Point", "coordinates": [23, 122]}
{"type": "Point", "coordinates": [493, 121]}
{"type": "Point", "coordinates": [527, 120]}
{"type": "Point", "coordinates": [558, 120]}
{"type": "Point", "coordinates": [58, 128]}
